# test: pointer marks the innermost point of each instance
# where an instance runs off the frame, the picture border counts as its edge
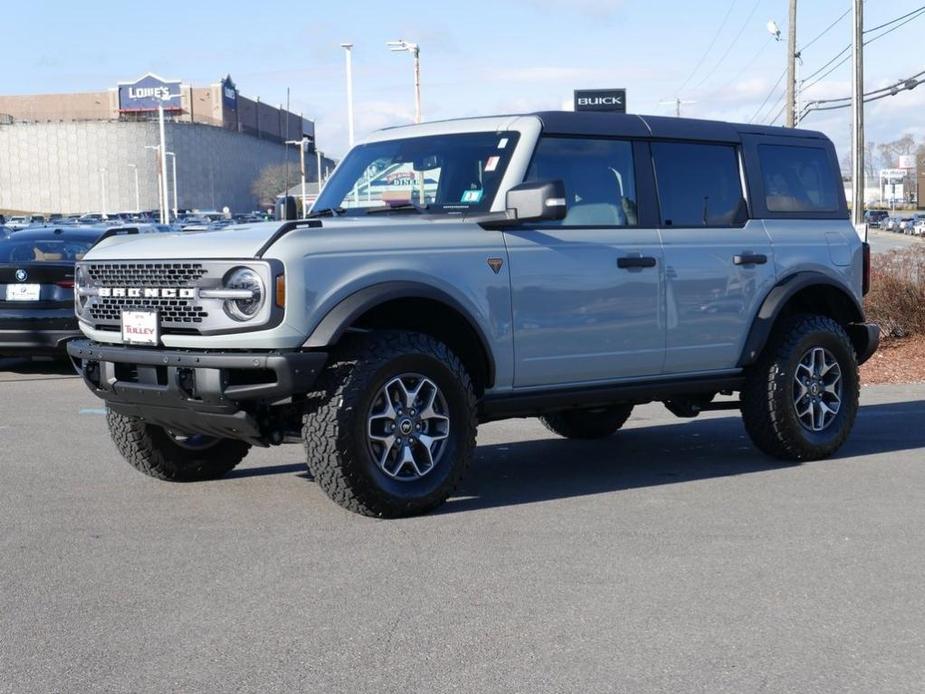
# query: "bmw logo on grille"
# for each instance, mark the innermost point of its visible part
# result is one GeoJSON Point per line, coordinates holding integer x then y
{"type": "Point", "coordinates": [21, 275]}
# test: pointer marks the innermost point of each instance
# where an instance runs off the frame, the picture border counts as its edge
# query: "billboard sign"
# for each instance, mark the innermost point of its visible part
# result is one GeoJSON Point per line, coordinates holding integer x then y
{"type": "Point", "coordinates": [148, 92]}
{"type": "Point", "coordinates": [613, 100]}
{"type": "Point", "coordinates": [229, 94]}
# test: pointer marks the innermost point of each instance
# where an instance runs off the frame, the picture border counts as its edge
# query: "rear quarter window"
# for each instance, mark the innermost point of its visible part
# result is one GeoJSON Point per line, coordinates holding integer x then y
{"type": "Point", "coordinates": [797, 179]}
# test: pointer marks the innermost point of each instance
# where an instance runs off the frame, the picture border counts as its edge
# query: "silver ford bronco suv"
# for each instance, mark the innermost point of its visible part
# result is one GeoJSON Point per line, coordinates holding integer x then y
{"type": "Point", "coordinates": [566, 266]}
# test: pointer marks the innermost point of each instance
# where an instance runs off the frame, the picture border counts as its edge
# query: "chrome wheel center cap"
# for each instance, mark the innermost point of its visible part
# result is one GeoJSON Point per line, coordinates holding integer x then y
{"type": "Point", "coordinates": [405, 426]}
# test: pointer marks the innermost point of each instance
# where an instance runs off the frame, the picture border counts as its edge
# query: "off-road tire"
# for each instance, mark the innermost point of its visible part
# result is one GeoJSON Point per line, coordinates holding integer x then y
{"type": "Point", "coordinates": [334, 428]}
{"type": "Point", "coordinates": [149, 449]}
{"type": "Point", "coordinates": [587, 424]}
{"type": "Point", "coordinates": [767, 398]}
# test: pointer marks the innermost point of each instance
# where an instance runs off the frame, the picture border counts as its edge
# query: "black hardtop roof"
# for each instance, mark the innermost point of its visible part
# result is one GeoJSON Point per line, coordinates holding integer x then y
{"type": "Point", "coordinates": [633, 125]}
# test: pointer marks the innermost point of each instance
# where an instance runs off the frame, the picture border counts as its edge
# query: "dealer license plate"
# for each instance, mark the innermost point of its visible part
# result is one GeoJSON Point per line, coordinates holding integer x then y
{"type": "Point", "coordinates": [140, 327]}
{"type": "Point", "coordinates": [23, 292]}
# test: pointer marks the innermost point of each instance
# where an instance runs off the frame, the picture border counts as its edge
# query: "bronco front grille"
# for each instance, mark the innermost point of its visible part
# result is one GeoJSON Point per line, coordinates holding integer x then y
{"type": "Point", "coordinates": [173, 312]}
{"type": "Point", "coordinates": [173, 287]}
{"type": "Point", "coordinates": [146, 274]}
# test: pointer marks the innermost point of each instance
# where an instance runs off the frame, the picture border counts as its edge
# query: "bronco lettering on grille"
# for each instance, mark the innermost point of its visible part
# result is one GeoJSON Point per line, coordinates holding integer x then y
{"type": "Point", "coordinates": [146, 293]}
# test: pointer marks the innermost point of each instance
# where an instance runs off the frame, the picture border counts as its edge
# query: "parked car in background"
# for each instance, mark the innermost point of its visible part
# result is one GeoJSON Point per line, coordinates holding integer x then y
{"type": "Point", "coordinates": [918, 226]}
{"type": "Point", "coordinates": [875, 217]}
{"type": "Point", "coordinates": [905, 224]}
{"type": "Point", "coordinates": [17, 222]}
{"type": "Point", "coordinates": [37, 287]}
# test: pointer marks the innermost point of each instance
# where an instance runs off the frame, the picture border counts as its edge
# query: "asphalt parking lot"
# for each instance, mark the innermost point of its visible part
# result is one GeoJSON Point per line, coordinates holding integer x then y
{"type": "Point", "coordinates": [883, 241]}
{"type": "Point", "coordinates": [672, 558]}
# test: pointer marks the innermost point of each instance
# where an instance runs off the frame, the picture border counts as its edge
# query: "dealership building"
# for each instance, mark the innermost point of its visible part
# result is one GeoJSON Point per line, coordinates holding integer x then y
{"type": "Point", "coordinates": [80, 152]}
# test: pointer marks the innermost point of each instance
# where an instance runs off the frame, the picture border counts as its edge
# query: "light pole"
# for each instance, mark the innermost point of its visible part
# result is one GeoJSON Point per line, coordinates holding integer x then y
{"type": "Point", "coordinates": [176, 203]}
{"type": "Point", "coordinates": [161, 185]}
{"type": "Point", "coordinates": [415, 50]}
{"type": "Point", "coordinates": [303, 145]}
{"type": "Point", "coordinates": [103, 193]}
{"type": "Point", "coordinates": [137, 195]}
{"type": "Point", "coordinates": [163, 169]}
{"type": "Point", "coordinates": [348, 51]}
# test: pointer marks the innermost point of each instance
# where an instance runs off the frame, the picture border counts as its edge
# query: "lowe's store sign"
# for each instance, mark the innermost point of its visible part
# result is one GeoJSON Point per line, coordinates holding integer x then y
{"type": "Point", "coordinates": [148, 92]}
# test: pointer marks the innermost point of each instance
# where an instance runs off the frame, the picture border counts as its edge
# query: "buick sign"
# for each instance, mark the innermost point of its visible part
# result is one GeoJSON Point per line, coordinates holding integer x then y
{"type": "Point", "coordinates": [148, 92]}
{"type": "Point", "coordinates": [613, 100]}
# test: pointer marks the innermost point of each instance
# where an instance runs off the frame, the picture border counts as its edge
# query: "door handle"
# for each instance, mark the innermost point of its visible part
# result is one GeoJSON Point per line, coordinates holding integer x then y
{"type": "Point", "coordinates": [750, 259]}
{"type": "Point", "coordinates": [634, 261]}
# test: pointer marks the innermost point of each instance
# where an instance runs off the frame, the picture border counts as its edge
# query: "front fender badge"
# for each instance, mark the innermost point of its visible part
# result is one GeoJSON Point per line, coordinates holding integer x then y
{"type": "Point", "coordinates": [495, 264]}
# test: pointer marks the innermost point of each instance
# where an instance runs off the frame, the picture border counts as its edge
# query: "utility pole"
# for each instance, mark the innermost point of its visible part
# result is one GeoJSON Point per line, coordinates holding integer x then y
{"type": "Point", "coordinates": [348, 48]}
{"type": "Point", "coordinates": [857, 120]}
{"type": "Point", "coordinates": [677, 102]}
{"type": "Point", "coordinates": [791, 64]}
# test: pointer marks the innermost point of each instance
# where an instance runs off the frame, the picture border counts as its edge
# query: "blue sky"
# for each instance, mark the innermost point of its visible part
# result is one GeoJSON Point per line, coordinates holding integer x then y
{"type": "Point", "coordinates": [478, 57]}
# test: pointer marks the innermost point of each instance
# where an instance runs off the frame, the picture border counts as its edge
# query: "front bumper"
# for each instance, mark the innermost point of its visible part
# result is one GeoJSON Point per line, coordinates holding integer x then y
{"type": "Point", "coordinates": [218, 393]}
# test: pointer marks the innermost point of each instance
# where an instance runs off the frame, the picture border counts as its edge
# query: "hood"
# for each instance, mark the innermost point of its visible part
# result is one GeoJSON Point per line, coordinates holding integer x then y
{"type": "Point", "coordinates": [234, 242]}
{"type": "Point", "coordinates": [243, 241]}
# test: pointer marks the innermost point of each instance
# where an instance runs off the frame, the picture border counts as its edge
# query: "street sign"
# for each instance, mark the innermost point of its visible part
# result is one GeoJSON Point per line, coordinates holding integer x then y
{"type": "Point", "coordinates": [148, 92]}
{"type": "Point", "coordinates": [906, 161]}
{"type": "Point", "coordinates": [613, 100]}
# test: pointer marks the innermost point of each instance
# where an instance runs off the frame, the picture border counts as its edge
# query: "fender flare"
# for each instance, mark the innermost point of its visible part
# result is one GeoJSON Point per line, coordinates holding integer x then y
{"type": "Point", "coordinates": [775, 301]}
{"type": "Point", "coordinates": [339, 319]}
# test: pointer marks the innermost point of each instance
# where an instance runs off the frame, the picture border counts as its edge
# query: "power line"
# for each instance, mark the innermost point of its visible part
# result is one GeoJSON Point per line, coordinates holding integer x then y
{"type": "Point", "coordinates": [906, 84]}
{"type": "Point", "coordinates": [893, 21]}
{"type": "Point", "coordinates": [825, 31]}
{"type": "Point", "coordinates": [915, 14]}
{"type": "Point", "coordinates": [777, 101]}
{"type": "Point", "coordinates": [710, 47]}
{"type": "Point", "coordinates": [731, 45]}
{"type": "Point", "coordinates": [773, 89]}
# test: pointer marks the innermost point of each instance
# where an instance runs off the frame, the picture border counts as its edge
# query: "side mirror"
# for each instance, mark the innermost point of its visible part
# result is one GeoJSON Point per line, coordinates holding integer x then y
{"type": "Point", "coordinates": [536, 201]}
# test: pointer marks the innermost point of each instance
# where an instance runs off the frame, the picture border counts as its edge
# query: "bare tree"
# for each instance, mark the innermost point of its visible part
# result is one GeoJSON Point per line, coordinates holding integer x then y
{"type": "Point", "coordinates": [270, 183]}
{"type": "Point", "coordinates": [891, 151]}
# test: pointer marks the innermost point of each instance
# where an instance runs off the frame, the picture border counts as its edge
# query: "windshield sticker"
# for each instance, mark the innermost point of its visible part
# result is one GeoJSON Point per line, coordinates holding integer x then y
{"type": "Point", "coordinates": [472, 196]}
{"type": "Point", "coordinates": [492, 163]}
{"type": "Point", "coordinates": [502, 143]}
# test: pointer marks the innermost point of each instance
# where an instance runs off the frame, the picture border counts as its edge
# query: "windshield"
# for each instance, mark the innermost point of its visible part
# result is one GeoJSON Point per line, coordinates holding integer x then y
{"type": "Point", "coordinates": [447, 174]}
{"type": "Point", "coordinates": [42, 251]}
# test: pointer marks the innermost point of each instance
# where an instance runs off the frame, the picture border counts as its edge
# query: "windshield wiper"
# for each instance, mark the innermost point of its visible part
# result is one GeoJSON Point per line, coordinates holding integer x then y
{"type": "Point", "coordinates": [327, 212]}
{"type": "Point", "coordinates": [403, 207]}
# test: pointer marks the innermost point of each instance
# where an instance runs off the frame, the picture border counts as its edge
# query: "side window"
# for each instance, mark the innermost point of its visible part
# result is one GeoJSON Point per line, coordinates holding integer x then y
{"type": "Point", "coordinates": [698, 184]}
{"type": "Point", "coordinates": [797, 179]}
{"type": "Point", "coordinates": [600, 184]}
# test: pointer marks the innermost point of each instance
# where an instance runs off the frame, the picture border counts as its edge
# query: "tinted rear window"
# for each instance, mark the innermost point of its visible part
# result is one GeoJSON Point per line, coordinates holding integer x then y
{"type": "Point", "coordinates": [13, 250]}
{"type": "Point", "coordinates": [698, 184]}
{"type": "Point", "coordinates": [797, 179]}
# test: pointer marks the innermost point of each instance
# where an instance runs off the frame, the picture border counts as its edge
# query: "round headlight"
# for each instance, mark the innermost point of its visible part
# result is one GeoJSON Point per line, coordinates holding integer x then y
{"type": "Point", "coordinates": [80, 301]}
{"type": "Point", "coordinates": [246, 279]}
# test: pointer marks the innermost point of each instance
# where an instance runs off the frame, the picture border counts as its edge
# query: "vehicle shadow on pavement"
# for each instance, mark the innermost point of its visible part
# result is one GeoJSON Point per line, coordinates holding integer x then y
{"type": "Point", "coordinates": [35, 369]}
{"type": "Point", "coordinates": [548, 469]}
